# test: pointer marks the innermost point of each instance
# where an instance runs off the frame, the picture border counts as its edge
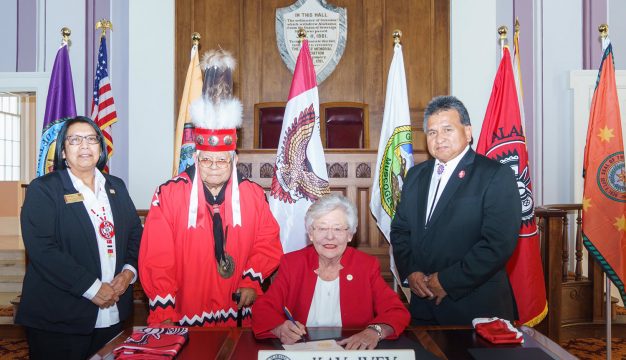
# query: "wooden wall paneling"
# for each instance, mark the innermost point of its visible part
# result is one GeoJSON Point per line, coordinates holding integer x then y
{"type": "Point", "coordinates": [247, 29]}
{"type": "Point", "coordinates": [374, 70]}
{"type": "Point", "coordinates": [441, 48]}
{"type": "Point", "coordinates": [182, 40]}
{"type": "Point", "coordinates": [251, 60]}
{"type": "Point", "coordinates": [275, 76]}
{"type": "Point", "coordinates": [369, 234]}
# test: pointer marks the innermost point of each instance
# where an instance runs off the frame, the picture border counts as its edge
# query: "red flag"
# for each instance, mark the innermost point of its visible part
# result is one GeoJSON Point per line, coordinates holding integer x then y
{"type": "Point", "coordinates": [103, 107]}
{"type": "Point", "coordinates": [502, 139]}
{"type": "Point", "coordinates": [300, 175]}
{"type": "Point", "coordinates": [604, 195]}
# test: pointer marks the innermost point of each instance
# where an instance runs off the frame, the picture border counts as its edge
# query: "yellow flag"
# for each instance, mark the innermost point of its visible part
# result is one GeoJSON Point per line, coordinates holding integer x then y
{"type": "Point", "coordinates": [183, 142]}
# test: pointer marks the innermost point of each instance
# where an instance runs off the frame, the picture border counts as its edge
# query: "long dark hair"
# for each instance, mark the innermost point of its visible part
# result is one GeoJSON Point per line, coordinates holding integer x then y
{"type": "Point", "coordinates": [59, 162]}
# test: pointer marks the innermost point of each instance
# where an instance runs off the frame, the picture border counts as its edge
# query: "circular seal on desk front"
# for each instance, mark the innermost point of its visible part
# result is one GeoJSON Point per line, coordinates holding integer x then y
{"type": "Point", "coordinates": [278, 357]}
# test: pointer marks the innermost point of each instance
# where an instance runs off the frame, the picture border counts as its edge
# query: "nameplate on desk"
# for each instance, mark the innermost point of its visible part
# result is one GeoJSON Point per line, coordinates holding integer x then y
{"type": "Point", "coordinates": [337, 355]}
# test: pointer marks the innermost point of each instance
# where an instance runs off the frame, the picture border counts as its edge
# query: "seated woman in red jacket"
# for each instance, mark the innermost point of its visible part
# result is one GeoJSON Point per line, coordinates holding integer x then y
{"type": "Point", "coordinates": [330, 284]}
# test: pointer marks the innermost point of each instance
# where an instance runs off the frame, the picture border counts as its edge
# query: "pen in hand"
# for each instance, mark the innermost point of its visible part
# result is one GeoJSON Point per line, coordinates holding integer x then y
{"type": "Point", "coordinates": [290, 317]}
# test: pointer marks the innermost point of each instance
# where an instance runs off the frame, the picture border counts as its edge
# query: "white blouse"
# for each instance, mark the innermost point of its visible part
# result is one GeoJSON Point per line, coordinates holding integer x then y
{"type": "Point", "coordinates": [99, 202]}
{"type": "Point", "coordinates": [325, 308]}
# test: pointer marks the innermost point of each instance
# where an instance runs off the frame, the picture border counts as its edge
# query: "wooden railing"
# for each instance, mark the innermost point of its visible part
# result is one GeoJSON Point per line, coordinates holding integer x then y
{"type": "Point", "coordinates": [575, 298]}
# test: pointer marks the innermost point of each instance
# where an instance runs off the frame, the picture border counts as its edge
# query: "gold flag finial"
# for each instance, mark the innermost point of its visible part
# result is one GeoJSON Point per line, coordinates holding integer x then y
{"type": "Point", "coordinates": [195, 38]}
{"type": "Point", "coordinates": [301, 34]}
{"type": "Point", "coordinates": [516, 24]}
{"type": "Point", "coordinates": [104, 24]}
{"type": "Point", "coordinates": [503, 31]}
{"type": "Point", "coordinates": [604, 30]}
{"type": "Point", "coordinates": [397, 34]}
{"type": "Point", "coordinates": [66, 32]}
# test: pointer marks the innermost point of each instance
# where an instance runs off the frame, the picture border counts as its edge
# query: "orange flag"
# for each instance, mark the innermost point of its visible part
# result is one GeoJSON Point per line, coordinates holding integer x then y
{"type": "Point", "coordinates": [502, 139]}
{"type": "Point", "coordinates": [604, 195]}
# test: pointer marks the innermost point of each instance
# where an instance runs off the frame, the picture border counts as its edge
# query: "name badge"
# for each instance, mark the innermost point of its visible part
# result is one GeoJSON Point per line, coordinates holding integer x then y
{"type": "Point", "coordinates": [73, 198]}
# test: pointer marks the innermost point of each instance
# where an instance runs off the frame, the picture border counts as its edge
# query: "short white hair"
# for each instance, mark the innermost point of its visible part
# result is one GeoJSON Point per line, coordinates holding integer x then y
{"type": "Point", "coordinates": [329, 203]}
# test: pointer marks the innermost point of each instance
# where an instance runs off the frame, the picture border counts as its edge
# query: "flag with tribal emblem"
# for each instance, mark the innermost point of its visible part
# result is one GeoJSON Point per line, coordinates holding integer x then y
{"type": "Point", "coordinates": [604, 194]}
{"type": "Point", "coordinates": [60, 105]}
{"type": "Point", "coordinates": [395, 151]}
{"type": "Point", "coordinates": [502, 139]}
{"type": "Point", "coordinates": [300, 175]}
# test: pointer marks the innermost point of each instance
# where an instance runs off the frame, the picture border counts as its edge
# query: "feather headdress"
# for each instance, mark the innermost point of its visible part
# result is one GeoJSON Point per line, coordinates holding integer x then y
{"type": "Point", "coordinates": [216, 116]}
{"type": "Point", "coordinates": [217, 109]}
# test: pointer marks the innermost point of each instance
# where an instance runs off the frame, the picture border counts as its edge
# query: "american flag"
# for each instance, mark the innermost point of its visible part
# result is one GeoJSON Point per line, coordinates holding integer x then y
{"type": "Point", "coordinates": [103, 107]}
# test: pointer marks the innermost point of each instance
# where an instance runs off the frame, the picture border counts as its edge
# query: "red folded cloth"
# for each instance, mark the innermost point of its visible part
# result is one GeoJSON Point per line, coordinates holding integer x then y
{"type": "Point", "coordinates": [497, 331]}
{"type": "Point", "coordinates": [152, 343]}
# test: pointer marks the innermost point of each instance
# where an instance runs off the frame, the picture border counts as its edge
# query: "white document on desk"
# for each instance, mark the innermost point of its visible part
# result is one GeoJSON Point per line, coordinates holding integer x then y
{"type": "Point", "coordinates": [321, 345]}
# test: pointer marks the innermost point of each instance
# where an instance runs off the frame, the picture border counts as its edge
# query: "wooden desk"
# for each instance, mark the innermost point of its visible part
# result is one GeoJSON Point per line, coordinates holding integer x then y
{"type": "Point", "coordinates": [442, 342]}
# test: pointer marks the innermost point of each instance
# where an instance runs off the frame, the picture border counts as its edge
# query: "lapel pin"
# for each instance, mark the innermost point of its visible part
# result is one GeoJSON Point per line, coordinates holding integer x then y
{"type": "Point", "coordinates": [349, 277]}
{"type": "Point", "coordinates": [461, 174]}
{"type": "Point", "coordinates": [112, 191]}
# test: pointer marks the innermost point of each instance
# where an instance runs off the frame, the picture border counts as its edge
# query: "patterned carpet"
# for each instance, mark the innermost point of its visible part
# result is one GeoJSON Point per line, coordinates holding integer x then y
{"type": "Point", "coordinates": [6, 310]}
{"type": "Point", "coordinates": [591, 348]}
{"type": "Point", "coordinates": [13, 349]}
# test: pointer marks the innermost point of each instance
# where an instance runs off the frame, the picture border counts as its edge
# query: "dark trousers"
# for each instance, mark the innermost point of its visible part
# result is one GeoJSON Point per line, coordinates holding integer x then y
{"type": "Point", "coordinates": [52, 345]}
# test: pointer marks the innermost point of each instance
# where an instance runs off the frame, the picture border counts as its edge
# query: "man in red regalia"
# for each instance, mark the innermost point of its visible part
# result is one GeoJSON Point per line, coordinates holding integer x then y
{"type": "Point", "coordinates": [210, 239]}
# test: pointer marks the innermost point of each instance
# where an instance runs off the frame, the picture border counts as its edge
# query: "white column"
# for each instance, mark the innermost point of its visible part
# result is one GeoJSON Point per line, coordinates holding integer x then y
{"type": "Point", "coordinates": [617, 31]}
{"type": "Point", "coordinates": [71, 14]}
{"type": "Point", "coordinates": [474, 55]}
{"type": "Point", "coordinates": [562, 52]}
{"type": "Point", "coordinates": [8, 40]}
{"type": "Point", "coordinates": [150, 97]}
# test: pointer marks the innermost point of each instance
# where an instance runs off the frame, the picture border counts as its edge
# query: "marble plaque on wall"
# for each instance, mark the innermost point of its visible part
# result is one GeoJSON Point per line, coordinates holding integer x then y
{"type": "Point", "coordinates": [326, 29]}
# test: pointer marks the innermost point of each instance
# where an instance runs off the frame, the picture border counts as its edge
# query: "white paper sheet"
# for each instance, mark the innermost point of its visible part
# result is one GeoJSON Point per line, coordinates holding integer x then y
{"type": "Point", "coordinates": [321, 345]}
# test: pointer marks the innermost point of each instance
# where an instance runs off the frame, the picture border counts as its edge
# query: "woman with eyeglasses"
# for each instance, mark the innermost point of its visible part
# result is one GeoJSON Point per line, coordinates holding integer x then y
{"type": "Point", "coordinates": [329, 284]}
{"type": "Point", "coordinates": [81, 232]}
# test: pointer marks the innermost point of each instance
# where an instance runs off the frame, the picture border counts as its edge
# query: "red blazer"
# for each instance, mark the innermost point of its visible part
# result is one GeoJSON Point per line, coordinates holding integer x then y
{"type": "Point", "coordinates": [365, 298]}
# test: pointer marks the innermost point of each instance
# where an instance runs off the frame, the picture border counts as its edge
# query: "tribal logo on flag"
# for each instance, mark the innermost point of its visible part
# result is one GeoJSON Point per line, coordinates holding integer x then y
{"type": "Point", "coordinates": [103, 107]}
{"type": "Point", "coordinates": [60, 105]}
{"type": "Point", "coordinates": [295, 178]}
{"type": "Point", "coordinates": [505, 151]}
{"type": "Point", "coordinates": [397, 154]}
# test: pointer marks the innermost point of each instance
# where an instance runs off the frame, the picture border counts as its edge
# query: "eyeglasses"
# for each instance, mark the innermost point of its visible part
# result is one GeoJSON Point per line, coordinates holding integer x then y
{"type": "Point", "coordinates": [77, 139]}
{"type": "Point", "coordinates": [337, 231]}
{"type": "Point", "coordinates": [219, 163]}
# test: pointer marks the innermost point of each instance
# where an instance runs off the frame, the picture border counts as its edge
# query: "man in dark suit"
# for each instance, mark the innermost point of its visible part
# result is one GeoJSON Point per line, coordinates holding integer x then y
{"type": "Point", "coordinates": [456, 225]}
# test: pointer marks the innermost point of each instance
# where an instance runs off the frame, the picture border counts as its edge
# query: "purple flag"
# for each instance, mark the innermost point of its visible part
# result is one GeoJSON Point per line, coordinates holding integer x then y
{"type": "Point", "coordinates": [60, 105]}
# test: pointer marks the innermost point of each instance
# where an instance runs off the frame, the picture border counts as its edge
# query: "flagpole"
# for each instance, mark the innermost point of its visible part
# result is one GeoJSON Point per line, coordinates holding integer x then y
{"type": "Point", "coordinates": [604, 33]}
{"type": "Point", "coordinates": [397, 35]}
{"type": "Point", "coordinates": [502, 31]}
